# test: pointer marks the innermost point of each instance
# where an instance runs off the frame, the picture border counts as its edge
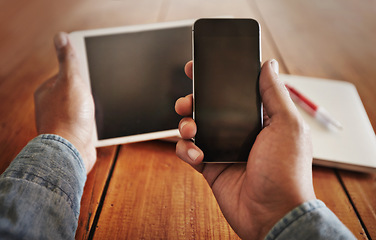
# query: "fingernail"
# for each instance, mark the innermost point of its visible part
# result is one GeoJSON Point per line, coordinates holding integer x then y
{"type": "Point", "coordinates": [193, 154]}
{"type": "Point", "coordinates": [275, 66]}
{"type": "Point", "coordinates": [61, 39]}
{"type": "Point", "coordinates": [183, 124]}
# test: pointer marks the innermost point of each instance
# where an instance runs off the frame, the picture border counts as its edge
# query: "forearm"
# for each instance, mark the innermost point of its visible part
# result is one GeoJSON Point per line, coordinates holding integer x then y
{"type": "Point", "coordinates": [311, 220]}
{"type": "Point", "coordinates": [41, 190]}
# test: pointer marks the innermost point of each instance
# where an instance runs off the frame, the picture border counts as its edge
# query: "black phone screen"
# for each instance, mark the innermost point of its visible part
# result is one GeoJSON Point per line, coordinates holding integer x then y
{"type": "Point", "coordinates": [227, 106]}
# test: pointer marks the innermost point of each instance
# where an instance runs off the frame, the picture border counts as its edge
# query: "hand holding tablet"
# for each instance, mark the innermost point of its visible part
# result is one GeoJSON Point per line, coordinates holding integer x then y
{"type": "Point", "coordinates": [135, 74]}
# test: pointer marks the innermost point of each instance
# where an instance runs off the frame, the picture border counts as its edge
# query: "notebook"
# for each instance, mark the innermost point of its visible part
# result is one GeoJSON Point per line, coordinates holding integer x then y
{"type": "Point", "coordinates": [354, 146]}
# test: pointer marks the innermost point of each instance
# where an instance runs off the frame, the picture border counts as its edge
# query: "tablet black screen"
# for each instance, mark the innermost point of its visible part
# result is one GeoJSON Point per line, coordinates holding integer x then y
{"type": "Point", "coordinates": [136, 79]}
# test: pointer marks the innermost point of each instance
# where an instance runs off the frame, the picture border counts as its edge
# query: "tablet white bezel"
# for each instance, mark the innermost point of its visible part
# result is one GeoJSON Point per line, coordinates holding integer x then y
{"type": "Point", "coordinates": [77, 39]}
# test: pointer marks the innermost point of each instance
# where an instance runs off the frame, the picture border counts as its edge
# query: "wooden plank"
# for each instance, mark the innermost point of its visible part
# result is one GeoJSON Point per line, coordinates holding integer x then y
{"type": "Point", "coordinates": [362, 188]}
{"type": "Point", "coordinates": [335, 40]}
{"type": "Point", "coordinates": [154, 195]}
{"type": "Point", "coordinates": [330, 191]}
{"type": "Point", "coordinates": [93, 190]}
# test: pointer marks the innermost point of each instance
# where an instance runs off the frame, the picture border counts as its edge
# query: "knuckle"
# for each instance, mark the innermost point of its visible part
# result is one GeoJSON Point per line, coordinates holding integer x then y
{"type": "Point", "coordinates": [65, 54]}
{"type": "Point", "coordinates": [298, 125]}
{"type": "Point", "coordinates": [45, 86]}
{"type": "Point", "coordinates": [180, 149]}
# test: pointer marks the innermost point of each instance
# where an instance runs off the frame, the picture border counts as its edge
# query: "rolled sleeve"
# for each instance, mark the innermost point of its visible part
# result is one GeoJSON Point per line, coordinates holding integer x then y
{"type": "Point", "coordinates": [41, 190]}
{"type": "Point", "coordinates": [310, 220]}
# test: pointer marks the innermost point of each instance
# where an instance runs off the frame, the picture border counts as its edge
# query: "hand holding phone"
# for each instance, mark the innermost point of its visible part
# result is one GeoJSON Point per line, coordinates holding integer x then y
{"type": "Point", "coordinates": [278, 174]}
{"type": "Point", "coordinates": [226, 99]}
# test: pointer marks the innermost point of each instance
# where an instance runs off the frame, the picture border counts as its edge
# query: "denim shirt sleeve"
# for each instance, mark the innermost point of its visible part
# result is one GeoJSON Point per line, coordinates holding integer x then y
{"type": "Point", "coordinates": [41, 190]}
{"type": "Point", "coordinates": [310, 220]}
{"type": "Point", "coordinates": [40, 195]}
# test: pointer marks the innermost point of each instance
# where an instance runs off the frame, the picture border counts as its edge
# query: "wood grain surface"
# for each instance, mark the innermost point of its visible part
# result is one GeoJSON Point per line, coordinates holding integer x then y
{"type": "Point", "coordinates": [143, 191]}
{"type": "Point", "coordinates": [95, 186]}
{"type": "Point", "coordinates": [154, 195]}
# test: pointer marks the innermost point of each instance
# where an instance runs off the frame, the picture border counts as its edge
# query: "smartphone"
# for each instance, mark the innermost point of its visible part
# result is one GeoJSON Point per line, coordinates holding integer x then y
{"type": "Point", "coordinates": [226, 100]}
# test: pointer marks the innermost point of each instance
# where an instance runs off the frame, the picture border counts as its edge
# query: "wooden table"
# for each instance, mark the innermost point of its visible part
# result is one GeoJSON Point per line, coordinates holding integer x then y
{"type": "Point", "coordinates": [143, 190]}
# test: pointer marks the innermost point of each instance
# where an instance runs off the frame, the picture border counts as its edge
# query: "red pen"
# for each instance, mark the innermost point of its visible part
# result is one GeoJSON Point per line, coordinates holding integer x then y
{"type": "Point", "coordinates": [314, 110]}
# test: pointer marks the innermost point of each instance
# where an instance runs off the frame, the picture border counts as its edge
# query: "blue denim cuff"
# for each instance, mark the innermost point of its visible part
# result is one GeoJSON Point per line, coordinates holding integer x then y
{"type": "Point", "coordinates": [310, 220]}
{"type": "Point", "coordinates": [54, 163]}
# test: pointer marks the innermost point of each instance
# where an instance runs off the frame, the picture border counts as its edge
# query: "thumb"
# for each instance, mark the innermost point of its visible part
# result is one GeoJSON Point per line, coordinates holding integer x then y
{"type": "Point", "coordinates": [274, 95]}
{"type": "Point", "coordinates": [68, 62]}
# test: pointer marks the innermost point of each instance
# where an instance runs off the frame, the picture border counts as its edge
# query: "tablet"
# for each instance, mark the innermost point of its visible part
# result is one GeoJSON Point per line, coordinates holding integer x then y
{"type": "Point", "coordinates": [136, 73]}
